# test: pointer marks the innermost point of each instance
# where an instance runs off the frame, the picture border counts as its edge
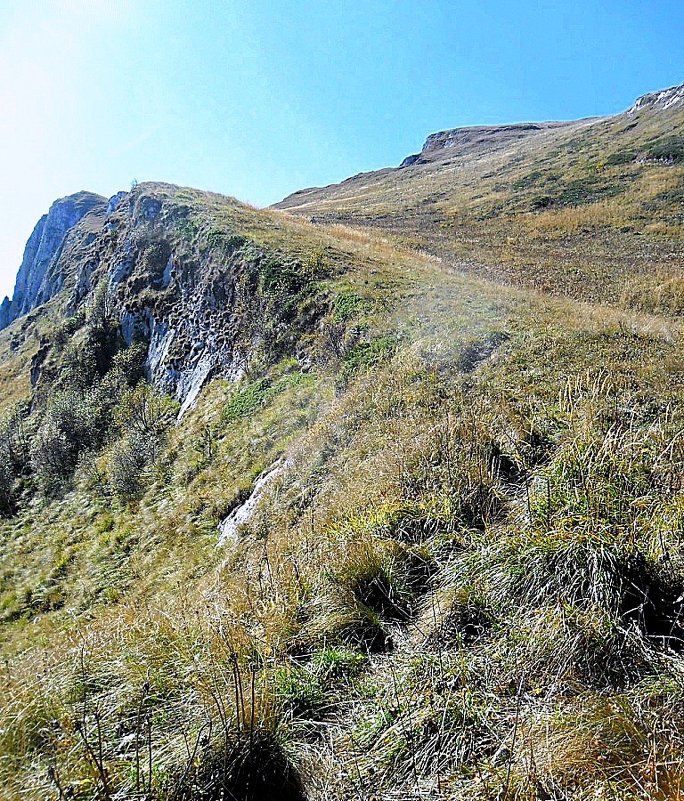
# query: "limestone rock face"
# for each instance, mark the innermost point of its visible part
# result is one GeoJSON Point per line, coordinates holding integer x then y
{"type": "Point", "coordinates": [168, 267]}
{"type": "Point", "coordinates": [186, 313]}
{"type": "Point", "coordinates": [172, 270]}
{"type": "Point", "coordinates": [5, 311]}
{"type": "Point", "coordinates": [659, 101]}
{"type": "Point", "coordinates": [36, 282]}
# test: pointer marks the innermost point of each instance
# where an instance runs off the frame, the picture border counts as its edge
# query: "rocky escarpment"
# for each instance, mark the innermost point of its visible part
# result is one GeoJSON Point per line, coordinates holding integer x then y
{"type": "Point", "coordinates": [38, 278]}
{"type": "Point", "coordinates": [659, 101]}
{"type": "Point", "coordinates": [172, 269]}
{"type": "Point", "coordinates": [462, 141]}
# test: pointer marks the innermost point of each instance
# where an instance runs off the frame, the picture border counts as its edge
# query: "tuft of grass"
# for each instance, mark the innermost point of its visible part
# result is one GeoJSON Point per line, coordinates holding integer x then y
{"type": "Point", "coordinates": [365, 355]}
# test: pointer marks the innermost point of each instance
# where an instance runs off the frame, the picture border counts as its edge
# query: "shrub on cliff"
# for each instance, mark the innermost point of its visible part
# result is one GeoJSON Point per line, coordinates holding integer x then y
{"type": "Point", "coordinates": [128, 461]}
{"type": "Point", "coordinates": [143, 417]}
{"type": "Point", "coordinates": [13, 458]}
{"type": "Point", "coordinates": [66, 430]}
{"type": "Point", "coordinates": [6, 485]}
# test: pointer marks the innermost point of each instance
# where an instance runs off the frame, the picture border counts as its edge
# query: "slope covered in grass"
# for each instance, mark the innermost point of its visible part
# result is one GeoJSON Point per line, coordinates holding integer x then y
{"type": "Point", "coordinates": [591, 209]}
{"type": "Point", "coordinates": [463, 580]}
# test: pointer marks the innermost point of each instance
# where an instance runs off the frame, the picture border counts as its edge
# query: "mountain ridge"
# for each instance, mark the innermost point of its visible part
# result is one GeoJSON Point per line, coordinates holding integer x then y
{"type": "Point", "coordinates": [377, 496]}
{"type": "Point", "coordinates": [663, 99]}
{"type": "Point", "coordinates": [66, 212]}
{"type": "Point", "coordinates": [480, 137]}
{"type": "Point", "coordinates": [34, 282]}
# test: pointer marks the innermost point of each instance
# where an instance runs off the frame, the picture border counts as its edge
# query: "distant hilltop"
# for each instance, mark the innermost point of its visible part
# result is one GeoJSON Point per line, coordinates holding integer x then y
{"type": "Point", "coordinates": [461, 141]}
{"type": "Point", "coordinates": [664, 99]}
{"type": "Point", "coordinates": [479, 137]}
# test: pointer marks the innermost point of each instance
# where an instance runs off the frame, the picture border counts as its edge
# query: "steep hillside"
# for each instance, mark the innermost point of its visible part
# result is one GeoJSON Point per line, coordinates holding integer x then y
{"type": "Point", "coordinates": [388, 504]}
{"type": "Point", "coordinates": [591, 209]}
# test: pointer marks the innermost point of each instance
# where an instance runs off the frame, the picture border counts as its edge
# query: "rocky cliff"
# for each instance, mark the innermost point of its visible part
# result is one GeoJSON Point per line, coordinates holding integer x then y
{"type": "Point", "coordinates": [171, 269]}
{"type": "Point", "coordinates": [659, 101]}
{"type": "Point", "coordinates": [477, 139]}
{"type": "Point", "coordinates": [485, 136]}
{"type": "Point", "coordinates": [38, 278]}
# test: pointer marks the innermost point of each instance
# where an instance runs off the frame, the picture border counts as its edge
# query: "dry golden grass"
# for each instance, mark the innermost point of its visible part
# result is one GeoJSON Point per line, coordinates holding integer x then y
{"type": "Point", "coordinates": [405, 610]}
{"type": "Point", "coordinates": [550, 212]}
{"type": "Point", "coordinates": [296, 580]}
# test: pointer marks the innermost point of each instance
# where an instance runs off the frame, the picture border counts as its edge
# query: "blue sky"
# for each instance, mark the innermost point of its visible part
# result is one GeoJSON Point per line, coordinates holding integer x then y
{"type": "Point", "coordinates": [258, 98]}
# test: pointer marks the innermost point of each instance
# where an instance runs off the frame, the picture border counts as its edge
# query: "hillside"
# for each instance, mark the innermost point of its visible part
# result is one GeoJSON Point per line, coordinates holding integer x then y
{"type": "Point", "coordinates": [375, 495]}
{"type": "Point", "coordinates": [591, 209]}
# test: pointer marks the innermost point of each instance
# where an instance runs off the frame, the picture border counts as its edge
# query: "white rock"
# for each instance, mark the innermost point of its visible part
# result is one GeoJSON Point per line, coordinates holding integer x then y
{"type": "Point", "coordinates": [228, 527]}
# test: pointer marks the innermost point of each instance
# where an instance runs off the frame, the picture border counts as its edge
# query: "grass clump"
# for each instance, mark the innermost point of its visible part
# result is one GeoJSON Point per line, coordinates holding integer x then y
{"type": "Point", "coordinates": [610, 743]}
{"type": "Point", "coordinates": [299, 691]}
{"type": "Point", "coordinates": [465, 621]}
{"type": "Point", "coordinates": [334, 662]}
{"type": "Point", "coordinates": [251, 767]}
{"type": "Point", "coordinates": [365, 355]}
{"type": "Point", "coordinates": [384, 577]}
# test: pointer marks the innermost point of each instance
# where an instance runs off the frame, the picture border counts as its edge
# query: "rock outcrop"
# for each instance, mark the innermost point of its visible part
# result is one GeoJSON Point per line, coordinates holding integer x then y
{"type": "Point", "coordinates": [177, 297]}
{"type": "Point", "coordinates": [37, 281]}
{"type": "Point", "coordinates": [5, 313]}
{"type": "Point", "coordinates": [659, 101]}
{"type": "Point", "coordinates": [484, 137]}
{"type": "Point", "coordinates": [171, 270]}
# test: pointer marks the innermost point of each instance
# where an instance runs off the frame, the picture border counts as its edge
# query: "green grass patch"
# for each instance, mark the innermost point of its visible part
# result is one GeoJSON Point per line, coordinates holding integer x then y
{"type": "Point", "coordinates": [666, 148]}
{"type": "Point", "coordinates": [254, 395]}
{"type": "Point", "coordinates": [349, 305]}
{"type": "Point", "coordinates": [364, 355]}
{"type": "Point", "coordinates": [246, 401]}
{"type": "Point", "coordinates": [338, 661]}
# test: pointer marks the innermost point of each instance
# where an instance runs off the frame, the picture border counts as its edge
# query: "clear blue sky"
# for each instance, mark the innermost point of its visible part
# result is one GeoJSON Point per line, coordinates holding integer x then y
{"type": "Point", "coordinates": [258, 98]}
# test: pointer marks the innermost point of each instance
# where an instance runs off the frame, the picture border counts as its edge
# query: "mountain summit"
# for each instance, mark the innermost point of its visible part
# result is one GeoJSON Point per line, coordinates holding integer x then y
{"type": "Point", "coordinates": [662, 100]}
{"type": "Point", "coordinates": [38, 278]}
{"type": "Point", "coordinates": [480, 137]}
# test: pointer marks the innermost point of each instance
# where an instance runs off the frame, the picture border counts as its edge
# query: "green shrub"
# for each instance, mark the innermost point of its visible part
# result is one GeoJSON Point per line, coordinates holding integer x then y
{"type": "Point", "coordinates": [226, 241]}
{"type": "Point", "coordinates": [251, 396]}
{"type": "Point", "coordinates": [127, 465]}
{"type": "Point", "coordinates": [143, 416]}
{"type": "Point", "coordinates": [14, 458]}
{"type": "Point", "coordinates": [621, 157]}
{"type": "Point", "coordinates": [246, 400]}
{"type": "Point", "coordinates": [365, 355]}
{"type": "Point", "coordinates": [128, 365]}
{"type": "Point", "coordinates": [68, 428]}
{"type": "Point", "coordinates": [7, 478]}
{"type": "Point", "coordinates": [146, 411]}
{"type": "Point", "coordinates": [666, 148]}
{"type": "Point", "coordinates": [536, 176]}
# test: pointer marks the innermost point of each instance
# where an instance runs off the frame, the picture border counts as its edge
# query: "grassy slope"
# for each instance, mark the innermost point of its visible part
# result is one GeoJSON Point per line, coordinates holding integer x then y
{"type": "Point", "coordinates": [460, 587]}
{"type": "Point", "coordinates": [592, 210]}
